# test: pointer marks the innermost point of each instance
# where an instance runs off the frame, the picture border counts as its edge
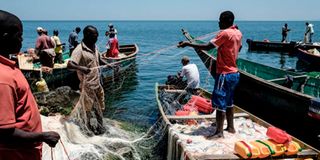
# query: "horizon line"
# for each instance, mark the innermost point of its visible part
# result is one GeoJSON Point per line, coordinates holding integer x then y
{"type": "Point", "coordinates": [158, 20]}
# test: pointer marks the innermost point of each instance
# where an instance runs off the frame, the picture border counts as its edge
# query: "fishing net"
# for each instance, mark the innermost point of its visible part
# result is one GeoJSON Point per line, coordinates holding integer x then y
{"type": "Point", "coordinates": [88, 111]}
{"type": "Point", "coordinates": [82, 134]}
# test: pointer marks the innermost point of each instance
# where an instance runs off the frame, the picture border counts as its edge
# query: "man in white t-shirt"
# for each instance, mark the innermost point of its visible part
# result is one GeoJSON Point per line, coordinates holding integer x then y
{"type": "Point", "coordinates": [309, 32]}
{"type": "Point", "coordinates": [191, 72]}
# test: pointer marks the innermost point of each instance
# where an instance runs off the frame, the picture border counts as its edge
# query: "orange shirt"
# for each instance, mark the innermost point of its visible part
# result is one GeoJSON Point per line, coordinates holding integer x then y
{"type": "Point", "coordinates": [18, 109]}
{"type": "Point", "coordinates": [228, 42]}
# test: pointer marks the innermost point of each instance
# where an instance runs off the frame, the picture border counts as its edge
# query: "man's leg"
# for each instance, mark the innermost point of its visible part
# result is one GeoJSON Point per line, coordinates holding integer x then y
{"type": "Point", "coordinates": [230, 85]}
{"type": "Point", "coordinates": [230, 116]}
{"type": "Point", "coordinates": [218, 101]}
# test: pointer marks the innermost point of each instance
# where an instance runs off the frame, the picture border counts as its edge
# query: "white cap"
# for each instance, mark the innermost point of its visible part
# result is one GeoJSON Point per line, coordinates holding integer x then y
{"type": "Point", "coordinates": [39, 29]}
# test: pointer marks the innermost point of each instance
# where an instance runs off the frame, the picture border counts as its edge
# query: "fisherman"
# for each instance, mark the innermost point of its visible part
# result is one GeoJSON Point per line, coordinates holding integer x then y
{"type": "Point", "coordinates": [86, 60]}
{"type": "Point", "coordinates": [45, 48]}
{"type": "Point", "coordinates": [73, 40]}
{"type": "Point", "coordinates": [21, 133]}
{"type": "Point", "coordinates": [309, 32]}
{"type": "Point", "coordinates": [191, 72]}
{"type": "Point", "coordinates": [58, 47]}
{"type": "Point", "coordinates": [228, 42]}
{"type": "Point", "coordinates": [113, 46]}
{"type": "Point", "coordinates": [285, 31]}
{"type": "Point", "coordinates": [112, 30]}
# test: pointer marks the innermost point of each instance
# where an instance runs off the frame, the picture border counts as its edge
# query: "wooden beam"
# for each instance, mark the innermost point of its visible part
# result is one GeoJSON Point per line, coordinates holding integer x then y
{"type": "Point", "coordinates": [211, 116]}
{"type": "Point", "coordinates": [281, 79]}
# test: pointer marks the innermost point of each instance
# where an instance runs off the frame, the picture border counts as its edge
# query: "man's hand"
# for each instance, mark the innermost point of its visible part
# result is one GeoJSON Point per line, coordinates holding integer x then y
{"type": "Point", "coordinates": [51, 138]}
{"type": "Point", "coordinates": [85, 70]}
{"type": "Point", "coordinates": [183, 44]}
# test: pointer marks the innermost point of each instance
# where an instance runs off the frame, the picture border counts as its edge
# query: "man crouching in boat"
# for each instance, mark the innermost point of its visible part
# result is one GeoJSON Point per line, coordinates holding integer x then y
{"type": "Point", "coordinates": [191, 72]}
{"type": "Point", "coordinates": [228, 42]}
{"type": "Point", "coordinates": [86, 60]}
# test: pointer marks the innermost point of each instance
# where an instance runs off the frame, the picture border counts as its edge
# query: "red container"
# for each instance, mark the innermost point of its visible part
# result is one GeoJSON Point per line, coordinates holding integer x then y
{"type": "Point", "coordinates": [278, 135]}
{"type": "Point", "coordinates": [203, 105]}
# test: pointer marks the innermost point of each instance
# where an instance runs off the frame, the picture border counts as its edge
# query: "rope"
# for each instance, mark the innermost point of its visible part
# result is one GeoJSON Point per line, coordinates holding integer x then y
{"type": "Point", "coordinates": [64, 149]}
{"type": "Point", "coordinates": [52, 154]}
{"type": "Point", "coordinates": [154, 52]}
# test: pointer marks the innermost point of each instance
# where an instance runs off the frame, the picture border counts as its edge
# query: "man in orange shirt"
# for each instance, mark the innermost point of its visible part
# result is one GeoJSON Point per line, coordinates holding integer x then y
{"type": "Point", "coordinates": [21, 133]}
{"type": "Point", "coordinates": [228, 42]}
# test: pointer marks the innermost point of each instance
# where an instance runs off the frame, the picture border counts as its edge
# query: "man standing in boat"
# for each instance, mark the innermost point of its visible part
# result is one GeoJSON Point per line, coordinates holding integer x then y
{"type": "Point", "coordinates": [285, 31]}
{"type": "Point", "coordinates": [228, 43]}
{"type": "Point", "coordinates": [73, 40]}
{"type": "Point", "coordinates": [45, 48]}
{"type": "Point", "coordinates": [21, 133]}
{"type": "Point", "coordinates": [309, 32]}
{"type": "Point", "coordinates": [86, 60]}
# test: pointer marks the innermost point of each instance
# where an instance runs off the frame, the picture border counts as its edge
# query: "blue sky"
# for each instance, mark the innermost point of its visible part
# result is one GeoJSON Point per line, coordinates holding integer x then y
{"type": "Point", "coordinates": [162, 9]}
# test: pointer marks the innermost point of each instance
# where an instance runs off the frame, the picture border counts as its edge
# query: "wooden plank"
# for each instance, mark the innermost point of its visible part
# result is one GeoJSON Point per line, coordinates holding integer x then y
{"type": "Point", "coordinates": [25, 62]}
{"type": "Point", "coordinates": [175, 91]}
{"type": "Point", "coordinates": [281, 79]}
{"type": "Point", "coordinates": [211, 116]}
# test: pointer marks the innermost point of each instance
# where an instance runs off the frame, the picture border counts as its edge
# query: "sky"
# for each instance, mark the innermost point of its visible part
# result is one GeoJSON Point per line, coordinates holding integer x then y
{"type": "Point", "coordinates": [255, 10]}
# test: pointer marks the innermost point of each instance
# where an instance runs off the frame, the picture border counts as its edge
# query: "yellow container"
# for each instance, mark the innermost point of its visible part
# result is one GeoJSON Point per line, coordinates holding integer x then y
{"type": "Point", "coordinates": [264, 150]}
{"type": "Point", "coordinates": [278, 148]}
{"type": "Point", "coordinates": [243, 149]}
{"type": "Point", "coordinates": [42, 86]}
{"type": "Point", "coordinates": [293, 148]}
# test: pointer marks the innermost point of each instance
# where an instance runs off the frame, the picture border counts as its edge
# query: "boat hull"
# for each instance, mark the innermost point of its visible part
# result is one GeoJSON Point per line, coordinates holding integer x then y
{"type": "Point", "coordinates": [306, 57]}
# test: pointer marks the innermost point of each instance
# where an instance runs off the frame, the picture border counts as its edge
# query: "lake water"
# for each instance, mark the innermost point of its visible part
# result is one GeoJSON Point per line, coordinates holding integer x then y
{"type": "Point", "coordinates": [133, 101]}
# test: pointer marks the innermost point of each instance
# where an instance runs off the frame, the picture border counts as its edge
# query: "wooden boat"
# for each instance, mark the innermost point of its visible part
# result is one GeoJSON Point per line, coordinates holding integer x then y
{"type": "Point", "coordinates": [125, 60]}
{"type": "Point", "coordinates": [183, 144]}
{"type": "Point", "coordinates": [270, 46]}
{"type": "Point", "coordinates": [277, 46]}
{"type": "Point", "coordinates": [262, 91]}
{"type": "Point", "coordinates": [55, 77]}
{"type": "Point", "coordinates": [60, 75]}
{"type": "Point", "coordinates": [309, 56]}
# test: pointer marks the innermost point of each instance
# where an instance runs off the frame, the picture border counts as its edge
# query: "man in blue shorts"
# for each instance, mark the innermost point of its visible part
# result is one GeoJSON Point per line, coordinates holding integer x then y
{"type": "Point", "coordinates": [228, 43]}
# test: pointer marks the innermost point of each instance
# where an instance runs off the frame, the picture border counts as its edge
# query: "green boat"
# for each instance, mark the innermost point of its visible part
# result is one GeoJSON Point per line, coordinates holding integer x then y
{"type": "Point", "coordinates": [262, 91]}
{"type": "Point", "coordinates": [60, 75]}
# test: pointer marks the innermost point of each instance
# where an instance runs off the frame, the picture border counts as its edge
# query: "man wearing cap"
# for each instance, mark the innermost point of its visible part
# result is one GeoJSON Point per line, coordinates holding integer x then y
{"type": "Point", "coordinates": [21, 133]}
{"type": "Point", "coordinates": [73, 40]}
{"type": "Point", "coordinates": [45, 48]}
{"type": "Point", "coordinates": [112, 30]}
{"type": "Point", "coordinates": [191, 72]}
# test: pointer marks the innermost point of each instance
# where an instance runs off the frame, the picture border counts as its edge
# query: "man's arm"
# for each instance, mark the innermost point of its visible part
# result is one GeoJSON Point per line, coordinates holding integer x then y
{"type": "Point", "coordinates": [73, 65]}
{"type": "Point", "coordinates": [13, 134]}
{"type": "Point", "coordinates": [206, 47]}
